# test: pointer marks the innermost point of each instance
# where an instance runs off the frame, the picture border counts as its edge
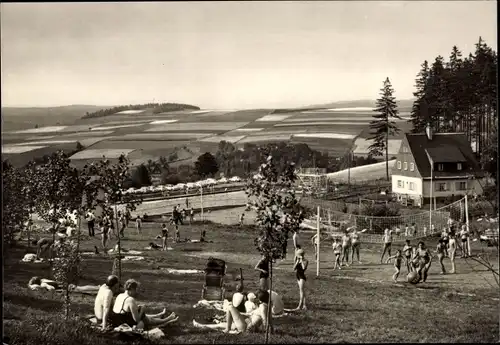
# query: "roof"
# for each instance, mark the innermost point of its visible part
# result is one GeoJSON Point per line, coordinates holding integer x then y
{"type": "Point", "coordinates": [443, 146]}
{"type": "Point", "coordinates": [446, 154]}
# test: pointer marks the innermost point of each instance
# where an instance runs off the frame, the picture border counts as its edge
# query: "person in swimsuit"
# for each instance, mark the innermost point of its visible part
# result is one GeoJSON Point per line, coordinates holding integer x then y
{"type": "Point", "coordinates": [398, 260]}
{"type": "Point", "coordinates": [127, 311]}
{"type": "Point", "coordinates": [355, 244]}
{"type": "Point", "coordinates": [452, 249]}
{"type": "Point", "coordinates": [346, 246]}
{"type": "Point", "coordinates": [105, 235]}
{"type": "Point", "coordinates": [464, 234]}
{"type": "Point", "coordinates": [164, 236]}
{"type": "Point", "coordinates": [387, 239]}
{"type": "Point", "coordinates": [423, 260]}
{"type": "Point", "coordinates": [408, 252]}
{"type": "Point", "coordinates": [263, 267]}
{"type": "Point", "coordinates": [138, 224]}
{"type": "Point", "coordinates": [337, 250]}
{"type": "Point", "coordinates": [239, 299]}
{"type": "Point", "coordinates": [300, 267]}
{"type": "Point", "coordinates": [440, 248]}
{"type": "Point", "coordinates": [238, 322]}
{"type": "Point", "coordinates": [295, 237]}
{"type": "Point", "coordinates": [315, 242]}
{"type": "Point", "coordinates": [445, 237]}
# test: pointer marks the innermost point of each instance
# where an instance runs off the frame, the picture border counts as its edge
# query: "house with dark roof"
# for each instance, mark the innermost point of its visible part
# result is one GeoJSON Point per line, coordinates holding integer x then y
{"type": "Point", "coordinates": [435, 166]}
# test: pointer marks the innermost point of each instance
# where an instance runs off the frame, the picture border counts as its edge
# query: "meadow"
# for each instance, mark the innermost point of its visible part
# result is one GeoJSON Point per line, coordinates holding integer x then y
{"type": "Point", "coordinates": [358, 304]}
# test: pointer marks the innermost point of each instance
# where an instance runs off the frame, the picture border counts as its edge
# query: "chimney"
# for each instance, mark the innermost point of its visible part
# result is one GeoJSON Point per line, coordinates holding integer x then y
{"type": "Point", "coordinates": [428, 131]}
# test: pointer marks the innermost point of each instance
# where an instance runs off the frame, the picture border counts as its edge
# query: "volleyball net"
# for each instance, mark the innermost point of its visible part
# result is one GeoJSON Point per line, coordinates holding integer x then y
{"type": "Point", "coordinates": [414, 224]}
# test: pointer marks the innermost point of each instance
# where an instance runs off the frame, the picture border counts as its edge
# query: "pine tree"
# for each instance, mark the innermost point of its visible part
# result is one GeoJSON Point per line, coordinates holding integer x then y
{"type": "Point", "coordinates": [419, 114]}
{"type": "Point", "coordinates": [382, 127]}
{"type": "Point", "coordinates": [436, 94]}
{"type": "Point", "coordinates": [454, 90]}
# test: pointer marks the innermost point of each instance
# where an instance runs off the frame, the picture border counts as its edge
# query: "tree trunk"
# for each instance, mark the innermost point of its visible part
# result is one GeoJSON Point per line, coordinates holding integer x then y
{"type": "Point", "coordinates": [270, 304]}
{"type": "Point", "coordinates": [387, 156]}
{"type": "Point", "coordinates": [29, 231]}
{"type": "Point", "coordinates": [119, 247]}
{"type": "Point", "coordinates": [66, 303]}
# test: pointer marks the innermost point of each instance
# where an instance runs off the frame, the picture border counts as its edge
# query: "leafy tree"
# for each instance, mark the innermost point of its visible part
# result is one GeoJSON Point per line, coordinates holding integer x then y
{"type": "Point", "coordinates": [67, 268]}
{"type": "Point", "coordinates": [30, 191]}
{"type": "Point", "coordinates": [58, 189]}
{"type": "Point", "coordinates": [14, 210]}
{"type": "Point", "coordinates": [140, 177]}
{"type": "Point", "coordinates": [382, 127]}
{"type": "Point", "coordinates": [278, 212]}
{"type": "Point", "coordinates": [110, 179]}
{"type": "Point", "coordinates": [206, 165]}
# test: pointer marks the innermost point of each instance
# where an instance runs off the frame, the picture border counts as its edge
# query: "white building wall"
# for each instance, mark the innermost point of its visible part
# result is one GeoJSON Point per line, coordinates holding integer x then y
{"type": "Point", "coordinates": [405, 185]}
{"type": "Point", "coordinates": [473, 187]}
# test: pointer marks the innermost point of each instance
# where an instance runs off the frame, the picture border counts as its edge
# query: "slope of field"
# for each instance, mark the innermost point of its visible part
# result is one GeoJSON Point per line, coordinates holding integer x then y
{"type": "Point", "coordinates": [363, 173]}
{"type": "Point", "coordinates": [326, 130]}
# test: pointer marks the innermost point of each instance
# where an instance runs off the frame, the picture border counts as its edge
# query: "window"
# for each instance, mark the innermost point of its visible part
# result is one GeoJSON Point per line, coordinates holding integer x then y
{"type": "Point", "coordinates": [406, 165]}
{"type": "Point", "coordinates": [412, 166]}
{"type": "Point", "coordinates": [399, 165]}
{"type": "Point", "coordinates": [441, 187]}
{"type": "Point", "coordinates": [459, 166]}
{"type": "Point", "coordinates": [461, 185]}
{"type": "Point", "coordinates": [412, 186]}
{"type": "Point", "coordinates": [400, 184]}
{"type": "Point", "coordinates": [440, 167]}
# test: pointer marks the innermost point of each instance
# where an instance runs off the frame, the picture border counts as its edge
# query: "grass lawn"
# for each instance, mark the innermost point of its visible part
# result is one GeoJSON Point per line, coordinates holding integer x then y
{"type": "Point", "coordinates": [356, 304]}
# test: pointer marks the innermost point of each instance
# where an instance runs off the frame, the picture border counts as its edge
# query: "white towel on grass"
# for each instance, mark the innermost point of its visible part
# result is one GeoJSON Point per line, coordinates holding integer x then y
{"type": "Point", "coordinates": [133, 258]}
{"type": "Point", "coordinates": [176, 271]}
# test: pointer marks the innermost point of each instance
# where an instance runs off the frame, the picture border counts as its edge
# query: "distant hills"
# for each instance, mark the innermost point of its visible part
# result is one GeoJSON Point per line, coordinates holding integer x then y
{"type": "Point", "coordinates": [18, 118]}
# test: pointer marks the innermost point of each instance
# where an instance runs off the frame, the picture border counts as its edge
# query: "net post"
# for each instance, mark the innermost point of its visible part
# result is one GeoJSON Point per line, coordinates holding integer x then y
{"type": "Point", "coordinates": [467, 223]}
{"type": "Point", "coordinates": [318, 239]}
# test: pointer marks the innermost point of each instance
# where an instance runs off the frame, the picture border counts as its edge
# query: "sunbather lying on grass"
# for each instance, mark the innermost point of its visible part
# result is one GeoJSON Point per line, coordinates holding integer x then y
{"type": "Point", "coordinates": [37, 283]}
{"type": "Point", "coordinates": [237, 321]}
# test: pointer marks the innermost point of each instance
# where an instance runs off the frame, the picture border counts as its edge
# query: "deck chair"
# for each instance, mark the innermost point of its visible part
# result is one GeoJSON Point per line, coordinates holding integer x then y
{"type": "Point", "coordinates": [213, 289]}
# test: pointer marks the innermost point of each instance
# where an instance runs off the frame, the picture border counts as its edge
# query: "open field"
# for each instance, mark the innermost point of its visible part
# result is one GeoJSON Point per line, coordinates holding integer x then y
{"type": "Point", "coordinates": [363, 173]}
{"type": "Point", "coordinates": [326, 130]}
{"type": "Point", "coordinates": [357, 304]}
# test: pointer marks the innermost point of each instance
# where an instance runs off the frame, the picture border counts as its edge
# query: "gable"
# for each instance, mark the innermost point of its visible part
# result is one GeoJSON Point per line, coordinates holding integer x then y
{"type": "Point", "coordinates": [405, 155]}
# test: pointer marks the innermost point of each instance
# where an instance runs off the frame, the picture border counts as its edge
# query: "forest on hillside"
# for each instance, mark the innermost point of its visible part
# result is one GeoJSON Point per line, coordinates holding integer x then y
{"type": "Point", "coordinates": [460, 95]}
{"type": "Point", "coordinates": [157, 108]}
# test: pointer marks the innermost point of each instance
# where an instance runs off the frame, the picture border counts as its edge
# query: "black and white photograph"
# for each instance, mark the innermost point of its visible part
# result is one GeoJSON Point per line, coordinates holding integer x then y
{"type": "Point", "coordinates": [242, 172]}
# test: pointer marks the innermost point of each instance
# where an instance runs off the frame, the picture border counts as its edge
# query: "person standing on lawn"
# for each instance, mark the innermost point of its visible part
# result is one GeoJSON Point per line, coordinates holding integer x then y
{"type": "Point", "coordinates": [191, 215]}
{"type": "Point", "coordinates": [164, 236]}
{"type": "Point", "coordinates": [176, 220]}
{"type": "Point", "coordinates": [90, 222]}
{"type": "Point", "coordinates": [452, 248]}
{"type": "Point", "coordinates": [387, 239]}
{"type": "Point", "coordinates": [464, 235]}
{"type": "Point", "coordinates": [122, 223]}
{"type": "Point", "coordinates": [138, 224]}
{"type": "Point", "coordinates": [128, 216]}
{"type": "Point", "coordinates": [263, 267]}
{"type": "Point", "coordinates": [355, 244]}
{"type": "Point", "coordinates": [346, 246]}
{"type": "Point", "coordinates": [440, 248]}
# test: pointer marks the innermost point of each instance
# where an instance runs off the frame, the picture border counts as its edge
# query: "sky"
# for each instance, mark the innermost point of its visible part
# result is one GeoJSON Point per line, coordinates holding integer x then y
{"type": "Point", "coordinates": [228, 55]}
